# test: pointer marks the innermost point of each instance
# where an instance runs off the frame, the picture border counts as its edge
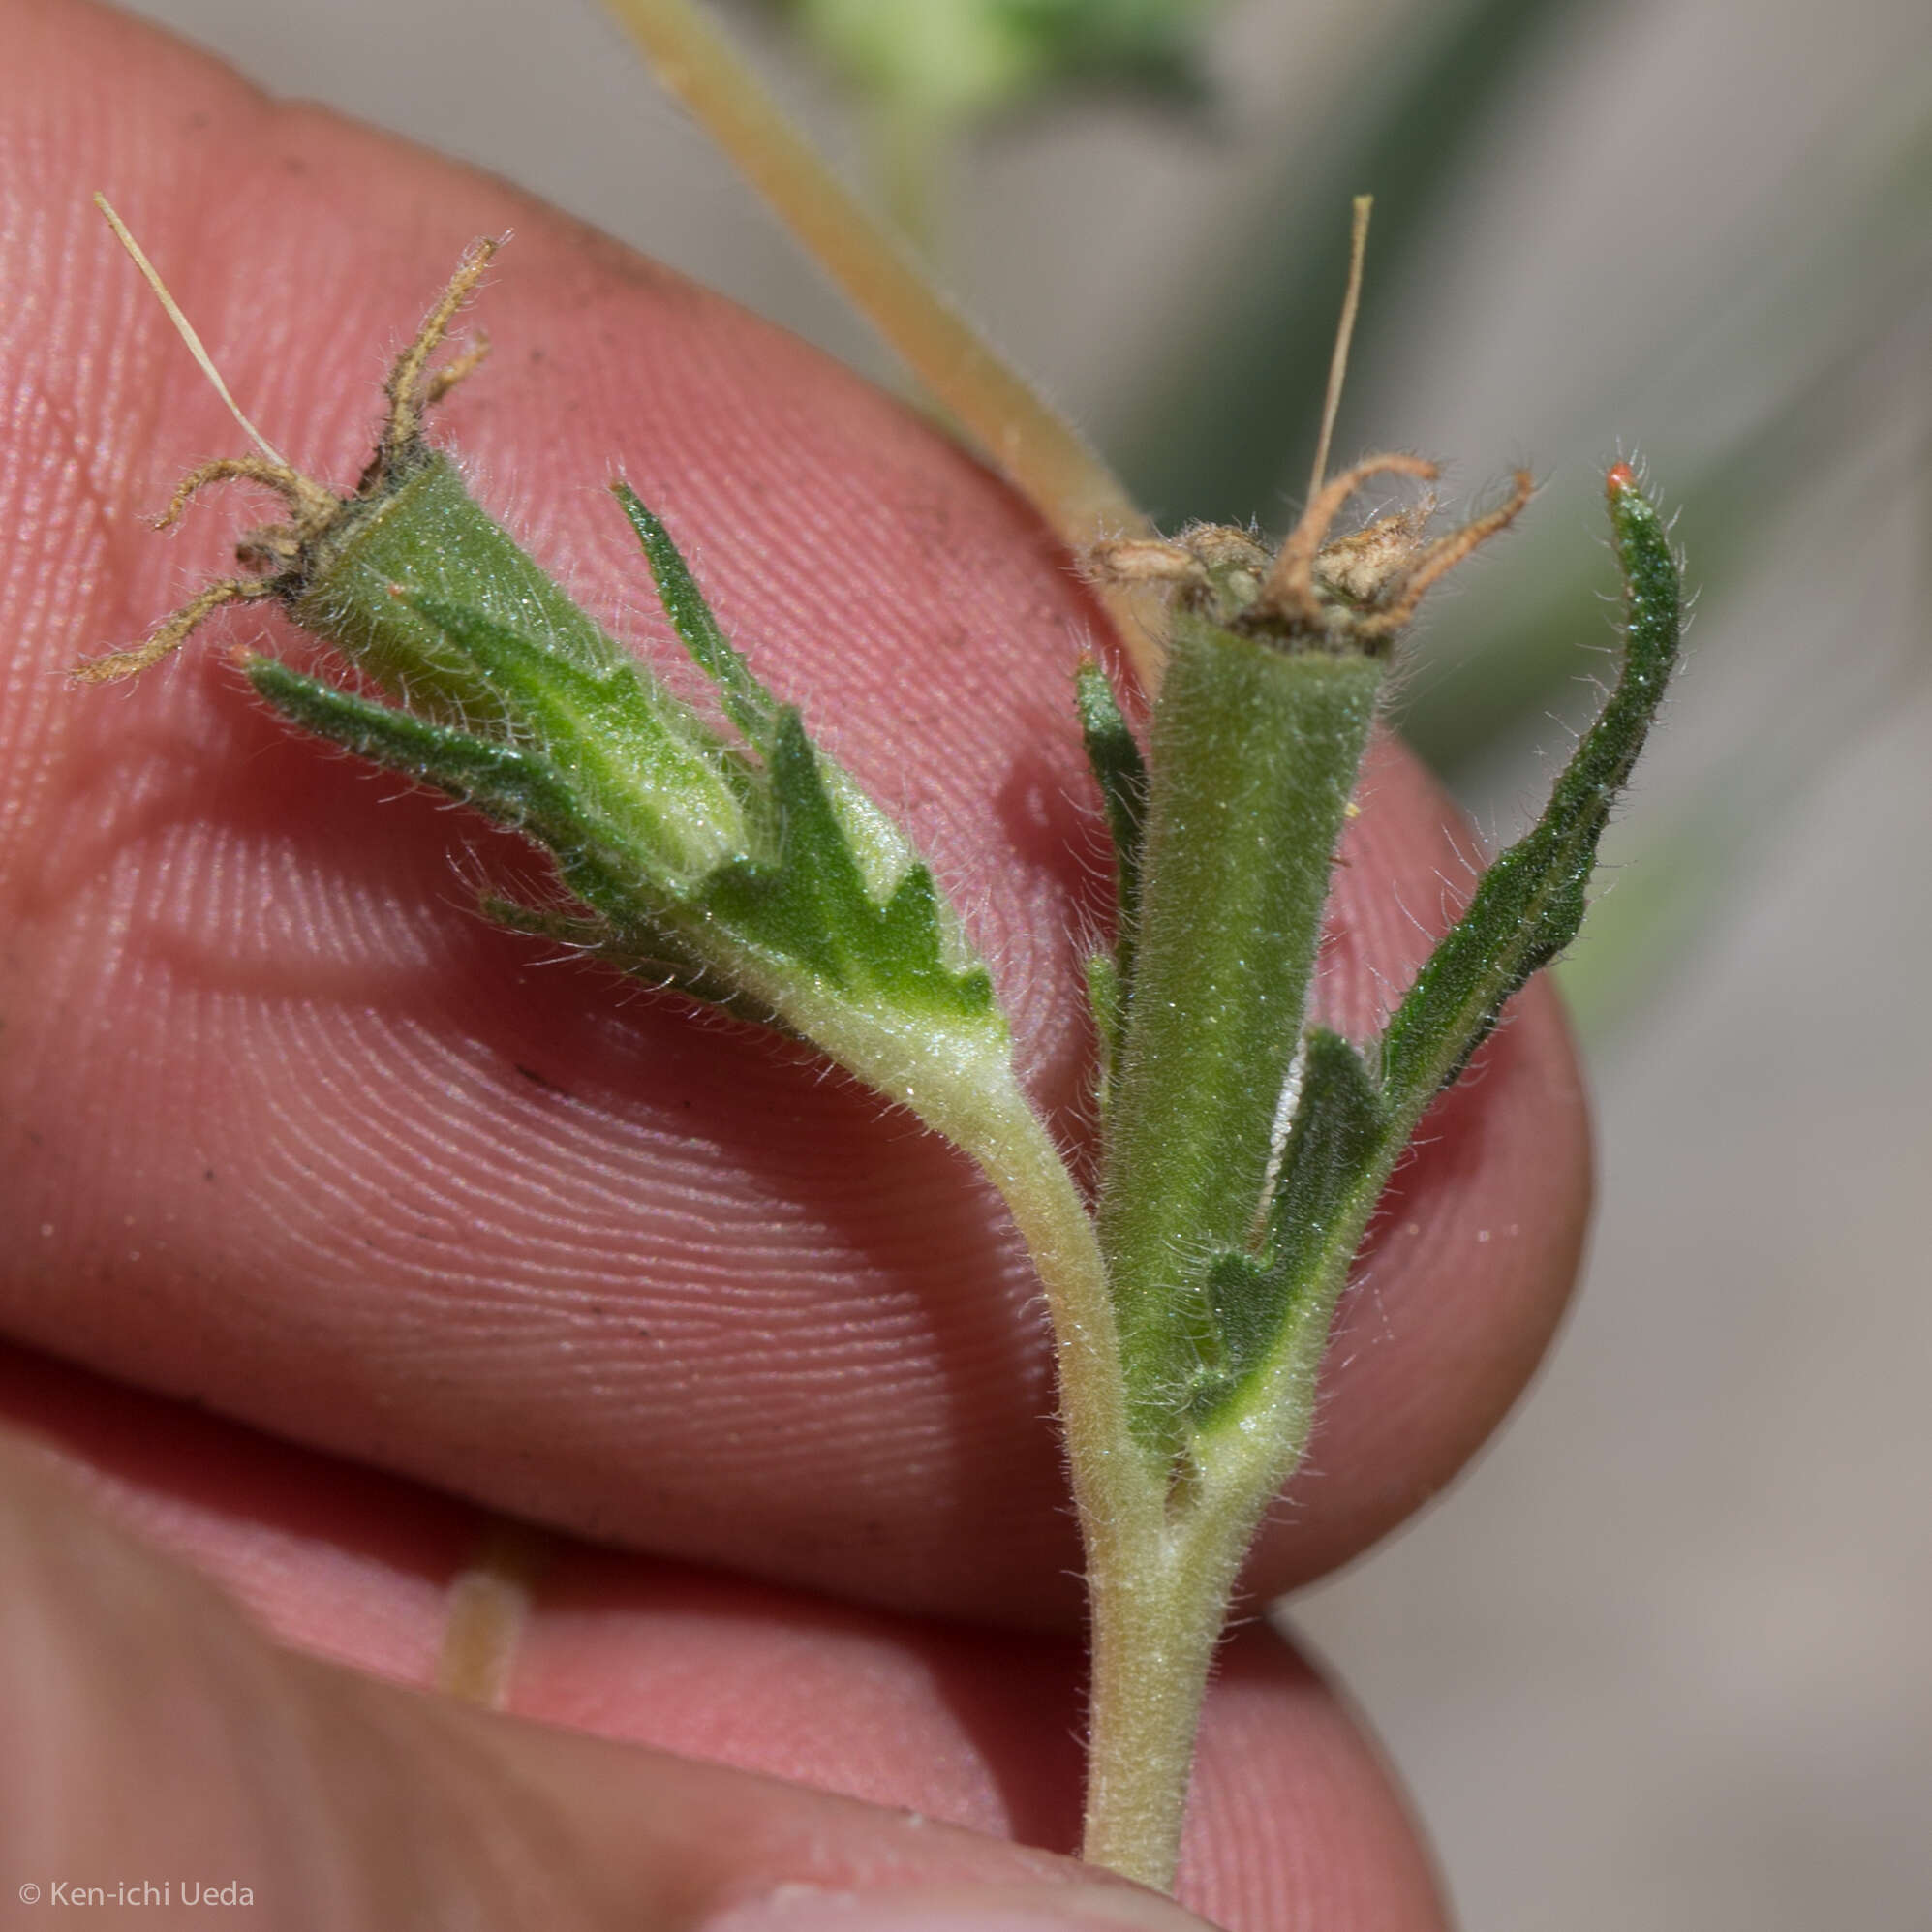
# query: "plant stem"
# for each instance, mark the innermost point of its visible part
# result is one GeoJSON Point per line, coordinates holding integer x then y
{"type": "Point", "coordinates": [1160, 1600]}
{"type": "Point", "coordinates": [1244, 1149]}
{"type": "Point", "coordinates": [1157, 1593]}
{"type": "Point", "coordinates": [1157, 1606]}
{"type": "Point", "coordinates": [1121, 1505]}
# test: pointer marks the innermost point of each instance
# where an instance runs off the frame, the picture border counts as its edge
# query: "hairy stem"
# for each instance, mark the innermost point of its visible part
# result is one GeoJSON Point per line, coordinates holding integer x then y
{"type": "Point", "coordinates": [1121, 1504]}
{"type": "Point", "coordinates": [1153, 1625]}
{"type": "Point", "coordinates": [1158, 1601]}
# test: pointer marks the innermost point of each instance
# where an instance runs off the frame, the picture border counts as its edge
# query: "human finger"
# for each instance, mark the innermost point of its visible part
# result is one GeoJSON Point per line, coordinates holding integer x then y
{"type": "Point", "coordinates": [298, 1137]}
{"type": "Point", "coordinates": [1294, 1821]}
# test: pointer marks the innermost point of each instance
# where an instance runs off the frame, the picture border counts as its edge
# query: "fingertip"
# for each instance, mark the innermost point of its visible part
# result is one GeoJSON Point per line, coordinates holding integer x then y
{"type": "Point", "coordinates": [1073, 1908]}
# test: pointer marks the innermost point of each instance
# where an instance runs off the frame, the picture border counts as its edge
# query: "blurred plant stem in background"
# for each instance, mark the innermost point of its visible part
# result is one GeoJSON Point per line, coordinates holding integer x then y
{"type": "Point", "coordinates": [929, 73]}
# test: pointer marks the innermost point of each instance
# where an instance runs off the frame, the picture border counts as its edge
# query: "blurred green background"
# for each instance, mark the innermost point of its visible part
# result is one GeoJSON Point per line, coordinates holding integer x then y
{"type": "Point", "coordinates": [1664, 1662]}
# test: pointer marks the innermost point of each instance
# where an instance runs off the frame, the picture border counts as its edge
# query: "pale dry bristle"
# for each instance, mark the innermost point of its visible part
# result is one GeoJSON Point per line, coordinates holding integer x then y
{"type": "Point", "coordinates": [1351, 302]}
{"type": "Point", "coordinates": [186, 330]}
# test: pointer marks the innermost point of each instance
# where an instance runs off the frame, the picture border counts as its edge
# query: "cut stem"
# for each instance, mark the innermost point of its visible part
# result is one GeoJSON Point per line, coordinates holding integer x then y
{"type": "Point", "coordinates": [1156, 1622]}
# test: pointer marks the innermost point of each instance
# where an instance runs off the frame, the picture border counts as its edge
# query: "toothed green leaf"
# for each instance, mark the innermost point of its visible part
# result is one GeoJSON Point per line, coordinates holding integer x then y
{"type": "Point", "coordinates": [810, 902]}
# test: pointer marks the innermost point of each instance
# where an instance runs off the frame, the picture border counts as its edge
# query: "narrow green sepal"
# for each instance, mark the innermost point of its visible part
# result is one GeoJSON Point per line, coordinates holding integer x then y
{"type": "Point", "coordinates": [749, 705]}
{"type": "Point", "coordinates": [1531, 901]}
{"type": "Point", "coordinates": [516, 787]}
{"type": "Point", "coordinates": [1121, 773]}
{"type": "Point", "coordinates": [637, 754]}
{"type": "Point", "coordinates": [1103, 1001]}
{"type": "Point", "coordinates": [524, 670]}
{"type": "Point", "coordinates": [541, 921]}
{"type": "Point", "coordinates": [1334, 1155]}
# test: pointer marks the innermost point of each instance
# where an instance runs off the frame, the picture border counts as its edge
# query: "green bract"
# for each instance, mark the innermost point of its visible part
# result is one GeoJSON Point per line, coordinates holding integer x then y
{"type": "Point", "coordinates": [1243, 1149]}
{"type": "Point", "coordinates": [755, 873]}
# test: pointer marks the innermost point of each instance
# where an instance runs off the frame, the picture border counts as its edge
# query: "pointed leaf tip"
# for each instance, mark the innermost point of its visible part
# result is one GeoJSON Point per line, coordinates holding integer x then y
{"type": "Point", "coordinates": [1530, 904]}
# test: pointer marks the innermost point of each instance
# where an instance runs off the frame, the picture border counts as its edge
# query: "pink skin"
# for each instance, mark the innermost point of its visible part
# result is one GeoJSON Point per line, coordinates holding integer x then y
{"type": "Point", "coordinates": [297, 1145]}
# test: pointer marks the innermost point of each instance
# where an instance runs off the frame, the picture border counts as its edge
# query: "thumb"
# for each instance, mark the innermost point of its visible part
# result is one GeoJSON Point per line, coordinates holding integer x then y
{"type": "Point", "coordinates": [163, 1753]}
